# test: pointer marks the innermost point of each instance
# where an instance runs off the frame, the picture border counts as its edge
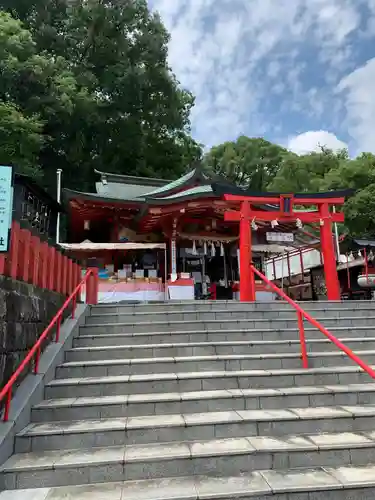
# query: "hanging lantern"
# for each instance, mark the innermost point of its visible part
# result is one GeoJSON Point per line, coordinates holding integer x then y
{"type": "Point", "coordinates": [254, 225]}
{"type": "Point", "coordinates": [359, 254]}
{"type": "Point", "coordinates": [321, 222]}
{"type": "Point", "coordinates": [274, 223]}
{"type": "Point", "coordinates": [371, 255]}
{"type": "Point", "coordinates": [299, 224]}
{"type": "Point", "coordinates": [205, 247]}
{"type": "Point", "coordinates": [351, 256]}
{"type": "Point", "coordinates": [221, 250]}
{"type": "Point", "coordinates": [86, 225]}
{"type": "Point", "coordinates": [194, 252]}
{"type": "Point", "coordinates": [213, 251]}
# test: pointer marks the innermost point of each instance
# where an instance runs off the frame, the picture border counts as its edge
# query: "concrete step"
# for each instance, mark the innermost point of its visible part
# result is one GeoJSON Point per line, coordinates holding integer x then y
{"type": "Point", "coordinates": [224, 362]}
{"type": "Point", "coordinates": [313, 483]}
{"type": "Point", "coordinates": [219, 324]}
{"type": "Point", "coordinates": [202, 401]}
{"type": "Point", "coordinates": [131, 339]}
{"type": "Point", "coordinates": [201, 381]}
{"type": "Point", "coordinates": [209, 314]}
{"type": "Point", "coordinates": [230, 305]}
{"type": "Point", "coordinates": [187, 458]}
{"type": "Point", "coordinates": [210, 348]}
{"type": "Point", "coordinates": [62, 435]}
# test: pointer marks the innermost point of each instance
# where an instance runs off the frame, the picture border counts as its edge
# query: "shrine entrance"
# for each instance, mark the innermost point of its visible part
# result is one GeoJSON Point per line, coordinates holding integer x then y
{"type": "Point", "coordinates": [282, 209]}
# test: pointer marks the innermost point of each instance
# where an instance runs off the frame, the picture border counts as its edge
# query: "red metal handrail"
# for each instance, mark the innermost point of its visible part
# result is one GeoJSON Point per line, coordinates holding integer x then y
{"type": "Point", "coordinates": [302, 314]}
{"type": "Point", "coordinates": [35, 351]}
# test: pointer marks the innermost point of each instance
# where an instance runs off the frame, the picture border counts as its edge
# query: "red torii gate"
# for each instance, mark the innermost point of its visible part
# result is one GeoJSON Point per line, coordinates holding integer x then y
{"type": "Point", "coordinates": [284, 212]}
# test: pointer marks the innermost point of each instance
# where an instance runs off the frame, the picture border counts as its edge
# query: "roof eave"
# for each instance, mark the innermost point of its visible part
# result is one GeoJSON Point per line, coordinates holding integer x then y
{"type": "Point", "coordinates": [130, 179]}
{"type": "Point", "coordinates": [70, 194]}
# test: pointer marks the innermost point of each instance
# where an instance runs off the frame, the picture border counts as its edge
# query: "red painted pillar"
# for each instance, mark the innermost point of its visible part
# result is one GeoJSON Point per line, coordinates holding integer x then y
{"type": "Point", "coordinates": [329, 255]}
{"type": "Point", "coordinates": [35, 241]}
{"type": "Point", "coordinates": [64, 277]}
{"type": "Point", "coordinates": [247, 285]}
{"type": "Point", "coordinates": [45, 265]}
{"type": "Point", "coordinates": [70, 276]}
{"type": "Point", "coordinates": [26, 255]}
{"type": "Point", "coordinates": [51, 285]}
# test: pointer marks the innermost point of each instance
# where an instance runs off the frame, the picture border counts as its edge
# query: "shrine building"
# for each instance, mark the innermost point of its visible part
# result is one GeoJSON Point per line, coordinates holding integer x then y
{"type": "Point", "coordinates": [147, 232]}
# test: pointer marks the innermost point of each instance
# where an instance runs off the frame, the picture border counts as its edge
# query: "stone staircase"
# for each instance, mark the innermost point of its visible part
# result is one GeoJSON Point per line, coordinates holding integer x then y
{"type": "Point", "coordinates": [203, 400]}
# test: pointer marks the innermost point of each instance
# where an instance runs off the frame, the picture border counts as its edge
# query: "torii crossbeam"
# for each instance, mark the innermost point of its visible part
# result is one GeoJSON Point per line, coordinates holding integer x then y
{"type": "Point", "coordinates": [281, 208]}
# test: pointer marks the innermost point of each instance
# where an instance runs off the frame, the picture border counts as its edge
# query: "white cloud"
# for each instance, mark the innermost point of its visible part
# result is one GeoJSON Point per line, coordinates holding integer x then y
{"type": "Point", "coordinates": [358, 89]}
{"type": "Point", "coordinates": [312, 140]}
{"type": "Point", "coordinates": [235, 55]}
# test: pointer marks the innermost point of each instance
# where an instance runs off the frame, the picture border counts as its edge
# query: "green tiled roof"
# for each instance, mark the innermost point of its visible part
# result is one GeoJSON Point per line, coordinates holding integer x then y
{"type": "Point", "coordinates": [192, 191]}
{"type": "Point", "coordinates": [172, 185]}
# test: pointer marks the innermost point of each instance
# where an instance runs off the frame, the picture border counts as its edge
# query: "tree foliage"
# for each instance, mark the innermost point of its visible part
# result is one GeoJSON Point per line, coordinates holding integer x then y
{"type": "Point", "coordinates": [95, 75]}
{"type": "Point", "coordinates": [20, 140]}
{"type": "Point", "coordinates": [260, 165]}
{"type": "Point", "coordinates": [249, 162]}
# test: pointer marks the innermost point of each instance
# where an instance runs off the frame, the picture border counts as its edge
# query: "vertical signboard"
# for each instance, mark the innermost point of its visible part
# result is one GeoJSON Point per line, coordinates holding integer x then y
{"type": "Point", "coordinates": [6, 206]}
{"type": "Point", "coordinates": [173, 258]}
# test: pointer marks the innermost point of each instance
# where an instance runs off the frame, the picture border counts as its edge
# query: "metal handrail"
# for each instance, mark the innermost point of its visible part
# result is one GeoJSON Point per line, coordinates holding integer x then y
{"type": "Point", "coordinates": [35, 351]}
{"type": "Point", "coordinates": [302, 314]}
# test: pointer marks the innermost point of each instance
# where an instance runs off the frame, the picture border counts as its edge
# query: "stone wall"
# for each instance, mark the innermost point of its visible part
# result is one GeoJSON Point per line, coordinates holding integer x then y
{"type": "Point", "coordinates": [25, 311]}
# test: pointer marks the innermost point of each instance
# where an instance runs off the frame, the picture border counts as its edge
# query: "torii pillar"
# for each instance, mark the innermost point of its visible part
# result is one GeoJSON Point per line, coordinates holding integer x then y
{"type": "Point", "coordinates": [247, 283]}
{"type": "Point", "coordinates": [329, 254]}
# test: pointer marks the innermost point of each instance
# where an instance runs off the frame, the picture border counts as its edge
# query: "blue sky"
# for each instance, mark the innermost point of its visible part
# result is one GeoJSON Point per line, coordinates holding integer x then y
{"type": "Point", "coordinates": [297, 72]}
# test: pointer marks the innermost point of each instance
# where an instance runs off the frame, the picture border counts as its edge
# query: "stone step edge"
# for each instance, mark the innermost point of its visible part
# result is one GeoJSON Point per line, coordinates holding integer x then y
{"type": "Point", "coordinates": [230, 320]}
{"type": "Point", "coordinates": [257, 483]}
{"type": "Point", "coordinates": [214, 357]}
{"type": "Point", "coordinates": [202, 395]}
{"type": "Point", "coordinates": [113, 379]}
{"type": "Point", "coordinates": [179, 450]}
{"type": "Point", "coordinates": [220, 343]}
{"type": "Point", "coordinates": [216, 311]}
{"type": "Point", "coordinates": [196, 419]}
{"type": "Point", "coordinates": [159, 303]}
{"type": "Point", "coordinates": [220, 331]}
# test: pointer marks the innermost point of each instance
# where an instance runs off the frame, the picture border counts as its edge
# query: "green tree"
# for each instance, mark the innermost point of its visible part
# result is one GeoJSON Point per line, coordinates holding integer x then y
{"type": "Point", "coordinates": [304, 173]}
{"type": "Point", "coordinates": [20, 140]}
{"type": "Point", "coordinates": [135, 116]}
{"type": "Point", "coordinates": [39, 94]}
{"type": "Point", "coordinates": [248, 162]}
{"type": "Point", "coordinates": [357, 174]}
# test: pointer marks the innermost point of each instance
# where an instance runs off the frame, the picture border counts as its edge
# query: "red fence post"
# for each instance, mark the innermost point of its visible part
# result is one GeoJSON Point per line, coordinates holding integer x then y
{"type": "Point", "coordinates": [58, 271]}
{"type": "Point", "coordinates": [96, 285]}
{"type": "Point", "coordinates": [64, 275]}
{"type": "Point", "coordinates": [44, 265]}
{"type": "Point", "coordinates": [70, 276]}
{"type": "Point", "coordinates": [92, 287]}
{"type": "Point", "coordinates": [25, 258]}
{"type": "Point", "coordinates": [20, 253]}
{"type": "Point", "coordinates": [11, 266]}
{"type": "Point", "coordinates": [35, 241]}
{"type": "Point", "coordinates": [52, 263]}
{"type": "Point", "coordinates": [302, 339]}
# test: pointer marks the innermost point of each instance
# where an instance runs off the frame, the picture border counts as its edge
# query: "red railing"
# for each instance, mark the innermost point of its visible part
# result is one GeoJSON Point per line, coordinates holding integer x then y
{"type": "Point", "coordinates": [90, 281]}
{"type": "Point", "coordinates": [33, 261]}
{"type": "Point", "coordinates": [301, 315]}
